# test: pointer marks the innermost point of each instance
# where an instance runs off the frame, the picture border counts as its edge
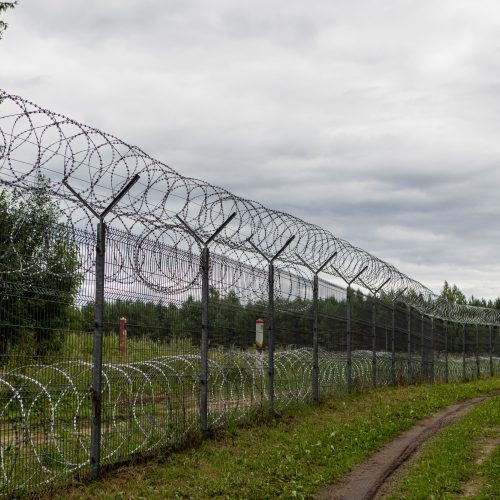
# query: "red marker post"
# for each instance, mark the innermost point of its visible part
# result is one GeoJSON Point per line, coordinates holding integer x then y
{"type": "Point", "coordinates": [123, 338]}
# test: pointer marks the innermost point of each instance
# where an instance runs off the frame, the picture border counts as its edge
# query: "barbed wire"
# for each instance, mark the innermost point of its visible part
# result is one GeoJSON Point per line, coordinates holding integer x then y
{"type": "Point", "coordinates": [37, 142]}
{"type": "Point", "coordinates": [132, 390]}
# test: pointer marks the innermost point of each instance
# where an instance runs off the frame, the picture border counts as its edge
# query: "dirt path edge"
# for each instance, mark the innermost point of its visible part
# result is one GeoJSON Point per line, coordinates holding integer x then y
{"type": "Point", "coordinates": [365, 479]}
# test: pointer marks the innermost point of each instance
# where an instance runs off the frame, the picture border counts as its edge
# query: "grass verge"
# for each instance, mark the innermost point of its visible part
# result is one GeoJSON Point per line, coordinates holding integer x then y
{"type": "Point", "coordinates": [291, 456]}
{"type": "Point", "coordinates": [458, 462]}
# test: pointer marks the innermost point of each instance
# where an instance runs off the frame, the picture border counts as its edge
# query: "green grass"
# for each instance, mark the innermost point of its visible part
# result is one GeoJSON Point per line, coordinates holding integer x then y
{"type": "Point", "coordinates": [490, 474]}
{"type": "Point", "coordinates": [292, 456]}
{"type": "Point", "coordinates": [449, 463]}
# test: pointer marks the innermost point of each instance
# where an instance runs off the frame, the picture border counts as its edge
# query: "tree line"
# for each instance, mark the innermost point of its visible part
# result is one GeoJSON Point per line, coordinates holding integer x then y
{"type": "Point", "coordinates": [40, 280]}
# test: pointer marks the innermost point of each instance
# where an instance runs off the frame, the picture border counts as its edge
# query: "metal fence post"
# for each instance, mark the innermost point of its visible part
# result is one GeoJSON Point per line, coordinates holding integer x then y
{"type": "Point", "coordinates": [100, 264]}
{"type": "Point", "coordinates": [374, 293]}
{"type": "Point", "coordinates": [315, 360]}
{"type": "Point", "coordinates": [422, 353]}
{"type": "Point", "coordinates": [315, 364]}
{"type": "Point", "coordinates": [393, 335]}
{"type": "Point", "coordinates": [446, 374]}
{"type": "Point", "coordinates": [478, 370]}
{"type": "Point", "coordinates": [393, 341]}
{"type": "Point", "coordinates": [432, 350]}
{"type": "Point", "coordinates": [95, 431]}
{"type": "Point", "coordinates": [410, 368]}
{"type": "Point", "coordinates": [205, 325]}
{"type": "Point", "coordinates": [374, 343]}
{"type": "Point", "coordinates": [349, 323]}
{"type": "Point", "coordinates": [491, 351]}
{"type": "Point", "coordinates": [348, 339]}
{"type": "Point", "coordinates": [270, 314]}
{"type": "Point", "coordinates": [205, 268]}
{"type": "Point", "coordinates": [463, 353]}
{"type": "Point", "coordinates": [270, 335]}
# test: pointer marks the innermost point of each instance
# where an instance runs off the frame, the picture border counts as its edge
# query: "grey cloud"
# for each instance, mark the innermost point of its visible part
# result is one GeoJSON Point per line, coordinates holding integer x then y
{"type": "Point", "coordinates": [376, 120]}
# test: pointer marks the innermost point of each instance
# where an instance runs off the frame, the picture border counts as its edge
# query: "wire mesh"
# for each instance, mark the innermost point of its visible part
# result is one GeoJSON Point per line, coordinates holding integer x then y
{"type": "Point", "coordinates": [59, 178]}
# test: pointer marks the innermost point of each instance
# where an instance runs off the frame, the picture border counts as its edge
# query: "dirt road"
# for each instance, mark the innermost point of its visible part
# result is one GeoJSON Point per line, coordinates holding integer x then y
{"type": "Point", "coordinates": [367, 480]}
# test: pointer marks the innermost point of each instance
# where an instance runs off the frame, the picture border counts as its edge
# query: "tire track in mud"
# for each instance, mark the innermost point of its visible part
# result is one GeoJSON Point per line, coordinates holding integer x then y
{"type": "Point", "coordinates": [366, 480]}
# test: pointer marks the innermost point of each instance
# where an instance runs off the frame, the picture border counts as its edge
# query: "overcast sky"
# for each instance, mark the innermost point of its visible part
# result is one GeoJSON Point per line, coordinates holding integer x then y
{"type": "Point", "coordinates": [379, 120]}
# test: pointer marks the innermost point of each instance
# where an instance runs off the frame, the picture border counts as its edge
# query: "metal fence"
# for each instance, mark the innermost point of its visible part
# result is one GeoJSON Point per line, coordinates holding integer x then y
{"type": "Point", "coordinates": [130, 295]}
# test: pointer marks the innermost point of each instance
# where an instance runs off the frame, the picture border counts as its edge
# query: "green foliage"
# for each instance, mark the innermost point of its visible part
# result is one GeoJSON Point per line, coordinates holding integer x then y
{"type": "Point", "coordinates": [3, 7]}
{"type": "Point", "coordinates": [293, 456]}
{"type": "Point", "coordinates": [232, 323]}
{"type": "Point", "coordinates": [452, 294]}
{"type": "Point", "coordinates": [39, 275]}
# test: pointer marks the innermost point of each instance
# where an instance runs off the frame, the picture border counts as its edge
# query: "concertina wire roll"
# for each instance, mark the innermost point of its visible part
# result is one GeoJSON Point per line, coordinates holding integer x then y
{"type": "Point", "coordinates": [37, 142]}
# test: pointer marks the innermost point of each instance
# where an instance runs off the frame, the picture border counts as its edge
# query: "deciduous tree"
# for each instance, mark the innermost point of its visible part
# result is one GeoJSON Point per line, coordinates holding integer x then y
{"type": "Point", "coordinates": [3, 7]}
{"type": "Point", "coordinates": [39, 272]}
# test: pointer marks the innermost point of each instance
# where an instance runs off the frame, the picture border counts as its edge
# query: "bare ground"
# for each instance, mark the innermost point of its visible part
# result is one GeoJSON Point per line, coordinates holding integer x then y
{"type": "Point", "coordinates": [373, 477]}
